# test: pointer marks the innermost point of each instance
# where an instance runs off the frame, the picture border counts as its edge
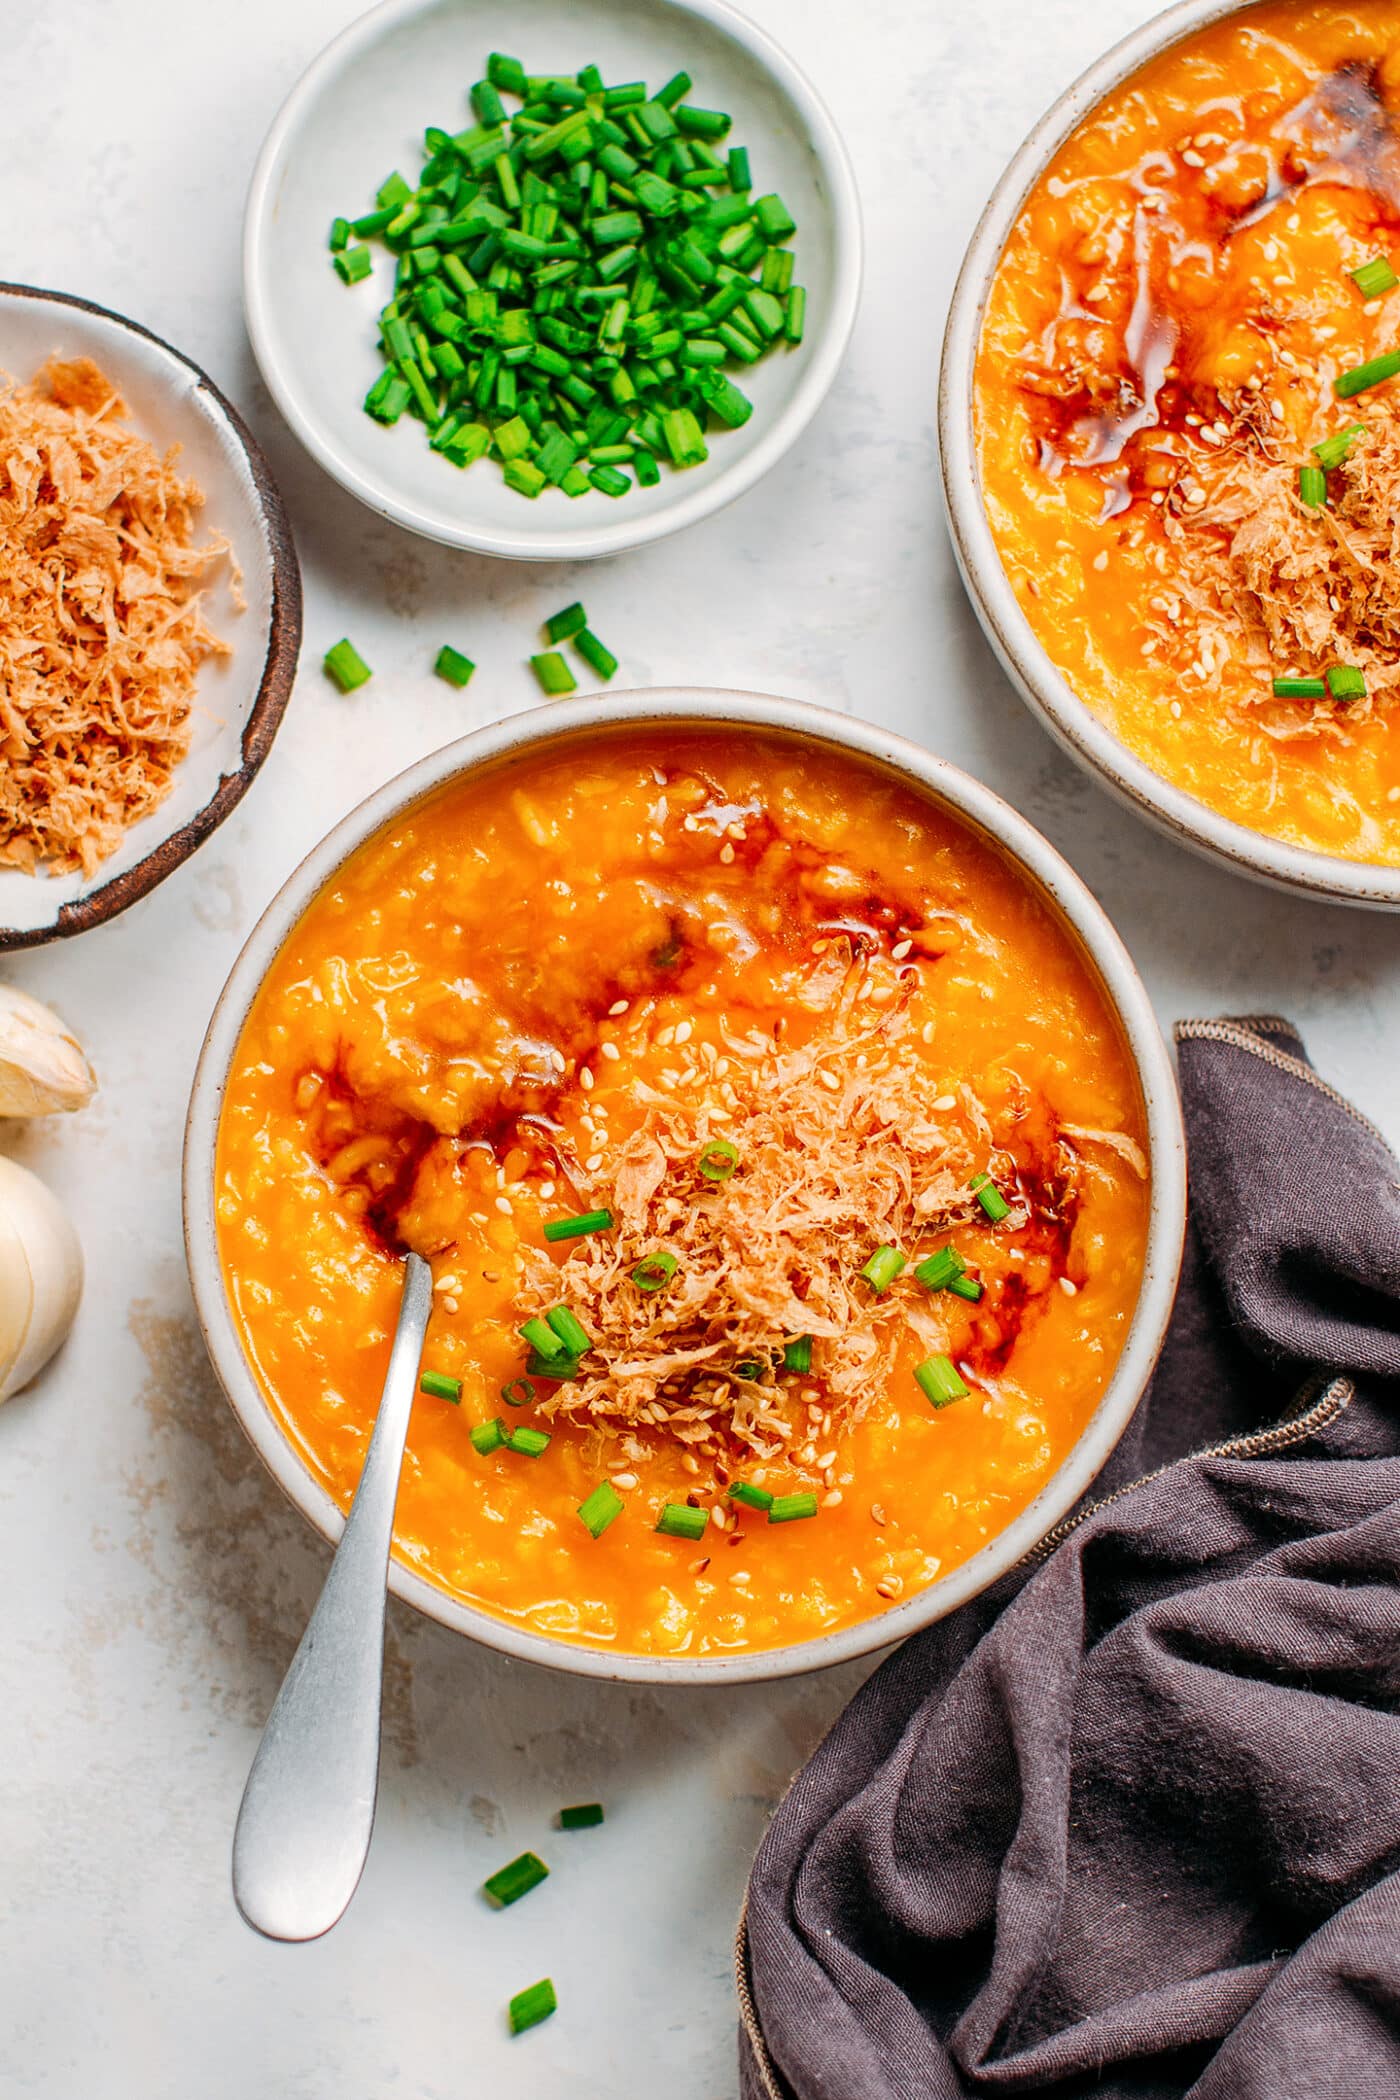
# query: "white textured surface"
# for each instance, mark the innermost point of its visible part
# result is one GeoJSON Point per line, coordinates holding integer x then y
{"type": "Point", "coordinates": [153, 1586]}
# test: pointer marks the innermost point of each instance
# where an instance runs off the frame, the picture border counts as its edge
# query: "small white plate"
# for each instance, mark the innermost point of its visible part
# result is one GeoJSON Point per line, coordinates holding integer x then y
{"type": "Point", "coordinates": [361, 110]}
{"type": "Point", "coordinates": [239, 699]}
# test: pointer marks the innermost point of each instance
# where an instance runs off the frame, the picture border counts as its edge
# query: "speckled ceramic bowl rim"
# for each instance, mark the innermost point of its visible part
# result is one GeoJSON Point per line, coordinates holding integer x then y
{"type": "Point", "coordinates": [1041, 685]}
{"type": "Point", "coordinates": [681, 708]}
{"type": "Point", "coordinates": [97, 905]}
{"type": "Point", "coordinates": [536, 541]}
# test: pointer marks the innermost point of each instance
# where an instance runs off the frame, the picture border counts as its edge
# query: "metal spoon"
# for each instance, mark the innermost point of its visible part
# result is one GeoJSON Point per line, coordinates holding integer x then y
{"type": "Point", "coordinates": [308, 1808]}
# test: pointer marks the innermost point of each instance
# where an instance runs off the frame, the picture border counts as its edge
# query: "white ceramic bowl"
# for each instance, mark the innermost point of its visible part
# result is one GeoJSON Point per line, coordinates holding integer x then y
{"type": "Point", "coordinates": [1044, 688]}
{"type": "Point", "coordinates": [239, 700]}
{"type": "Point", "coordinates": [361, 109]}
{"type": "Point", "coordinates": [1072, 903]}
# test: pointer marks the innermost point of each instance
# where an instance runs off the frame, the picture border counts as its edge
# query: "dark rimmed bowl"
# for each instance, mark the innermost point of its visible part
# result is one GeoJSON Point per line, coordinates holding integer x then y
{"type": "Point", "coordinates": [239, 701]}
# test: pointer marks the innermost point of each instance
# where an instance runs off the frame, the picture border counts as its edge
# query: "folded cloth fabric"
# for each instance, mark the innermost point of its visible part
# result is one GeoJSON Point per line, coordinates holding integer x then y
{"type": "Point", "coordinates": [1129, 1824]}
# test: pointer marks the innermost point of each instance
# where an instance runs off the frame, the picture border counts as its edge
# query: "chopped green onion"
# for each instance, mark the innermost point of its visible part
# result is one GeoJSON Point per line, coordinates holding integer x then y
{"type": "Point", "coordinates": [340, 235]}
{"type": "Point", "coordinates": [530, 1443]}
{"type": "Point", "coordinates": [679, 1521]}
{"type": "Point", "coordinates": [941, 1269]}
{"type": "Point", "coordinates": [593, 653]}
{"type": "Point", "coordinates": [1360, 377]}
{"type": "Point", "coordinates": [526, 480]}
{"type": "Point", "coordinates": [587, 1816]}
{"type": "Point", "coordinates": [453, 666]}
{"type": "Point", "coordinates": [939, 1380]}
{"type": "Point", "coordinates": [439, 1386]}
{"type": "Point", "coordinates": [574, 1337]}
{"type": "Point", "coordinates": [559, 1367]}
{"type": "Point", "coordinates": [795, 314]}
{"type": "Point", "coordinates": [518, 1393]}
{"type": "Point", "coordinates": [775, 221]}
{"type": "Point", "coordinates": [1374, 278]}
{"type": "Point", "coordinates": [1333, 450]}
{"type": "Point", "coordinates": [750, 1496]}
{"type": "Point", "coordinates": [345, 665]}
{"type": "Point", "coordinates": [1300, 689]}
{"type": "Point", "coordinates": [718, 1159]}
{"type": "Point", "coordinates": [506, 73]}
{"type": "Point", "coordinates": [797, 1355]}
{"type": "Point", "coordinates": [553, 673]}
{"type": "Point", "coordinates": [654, 1271]}
{"type": "Point", "coordinates": [883, 1267]}
{"type": "Point", "coordinates": [599, 1509]}
{"type": "Point", "coordinates": [353, 265]}
{"type": "Point", "coordinates": [542, 1337]}
{"type": "Point", "coordinates": [966, 1287]}
{"type": "Point", "coordinates": [1345, 682]}
{"type": "Point", "coordinates": [737, 168]}
{"type": "Point", "coordinates": [509, 1883]}
{"type": "Point", "coordinates": [788, 1509]}
{"type": "Point", "coordinates": [750, 1368]}
{"type": "Point", "coordinates": [990, 1197]}
{"type": "Point", "coordinates": [579, 1227]}
{"type": "Point", "coordinates": [612, 482]}
{"type": "Point", "coordinates": [562, 625]}
{"type": "Point", "coordinates": [1312, 487]}
{"type": "Point", "coordinates": [676, 87]}
{"type": "Point", "coordinates": [529, 2007]}
{"type": "Point", "coordinates": [488, 1436]}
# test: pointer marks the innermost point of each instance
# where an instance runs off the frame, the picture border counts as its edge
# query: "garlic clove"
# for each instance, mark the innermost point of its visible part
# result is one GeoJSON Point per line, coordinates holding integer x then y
{"type": "Point", "coordinates": [41, 1275]}
{"type": "Point", "coordinates": [42, 1066]}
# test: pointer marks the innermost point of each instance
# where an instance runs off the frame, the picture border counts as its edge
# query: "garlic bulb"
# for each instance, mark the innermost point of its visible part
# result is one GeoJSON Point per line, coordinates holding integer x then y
{"type": "Point", "coordinates": [41, 1275]}
{"type": "Point", "coordinates": [42, 1066]}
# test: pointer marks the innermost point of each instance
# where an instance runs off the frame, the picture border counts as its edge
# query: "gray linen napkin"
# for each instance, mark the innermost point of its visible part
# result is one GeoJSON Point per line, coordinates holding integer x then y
{"type": "Point", "coordinates": [1129, 1824]}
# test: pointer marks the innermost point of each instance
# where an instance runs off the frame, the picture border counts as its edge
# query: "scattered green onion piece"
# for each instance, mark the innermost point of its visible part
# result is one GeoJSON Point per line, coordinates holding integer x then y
{"type": "Point", "coordinates": [388, 397]}
{"type": "Point", "coordinates": [506, 73]}
{"type": "Point", "coordinates": [530, 1443]}
{"type": "Point", "coordinates": [579, 1227]}
{"type": "Point", "coordinates": [966, 1287]}
{"type": "Point", "coordinates": [559, 1367]}
{"type": "Point", "coordinates": [655, 1270]}
{"type": "Point", "coordinates": [1372, 373]}
{"type": "Point", "coordinates": [990, 1197]}
{"type": "Point", "coordinates": [797, 1356]}
{"type": "Point", "coordinates": [563, 624]}
{"type": "Point", "coordinates": [941, 1269]}
{"type": "Point", "coordinates": [526, 479]}
{"type": "Point", "coordinates": [528, 2007]}
{"type": "Point", "coordinates": [1300, 689]}
{"type": "Point", "coordinates": [883, 1267]}
{"type": "Point", "coordinates": [1345, 682]}
{"type": "Point", "coordinates": [750, 1496]}
{"type": "Point", "coordinates": [345, 665]}
{"type": "Point", "coordinates": [518, 1393]}
{"type": "Point", "coordinates": [553, 673]}
{"type": "Point", "coordinates": [610, 481]}
{"type": "Point", "coordinates": [602, 660]}
{"type": "Point", "coordinates": [939, 1381]}
{"type": "Point", "coordinates": [573, 1335]}
{"type": "Point", "coordinates": [1333, 450]}
{"type": "Point", "coordinates": [1374, 278]}
{"type": "Point", "coordinates": [795, 319]}
{"type": "Point", "coordinates": [509, 1883]}
{"type": "Point", "coordinates": [775, 221]}
{"type": "Point", "coordinates": [1312, 487]}
{"type": "Point", "coordinates": [718, 1159]}
{"type": "Point", "coordinates": [679, 1521]}
{"type": "Point", "coordinates": [737, 168]}
{"type": "Point", "coordinates": [675, 90]}
{"type": "Point", "coordinates": [453, 666]}
{"type": "Point", "coordinates": [490, 110]}
{"type": "Point", "coordinates": [788, 1509]}
{"type": "Point", "coordinates": [439, 1386]}
{"type": "Point", "coordinates": [339, 235]}
{"type": "Point", "coordinates": [749, 1369]}
{"type": "Point", "coordinates": [488, 1436]}
{"type": "Point", "coordinates": [586, 1816]}
{"type": "Point", "coordinates": [600, 1508]}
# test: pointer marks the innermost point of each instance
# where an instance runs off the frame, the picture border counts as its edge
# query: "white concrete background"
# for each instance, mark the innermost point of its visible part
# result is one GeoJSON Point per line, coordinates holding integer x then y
{"type": "Point", "coordinates": [153, 1585]}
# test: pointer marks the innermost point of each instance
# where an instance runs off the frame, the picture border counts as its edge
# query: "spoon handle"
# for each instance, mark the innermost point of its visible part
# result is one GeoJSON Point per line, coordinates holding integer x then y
{"type": "Point", "coordinates": [308, 1808]}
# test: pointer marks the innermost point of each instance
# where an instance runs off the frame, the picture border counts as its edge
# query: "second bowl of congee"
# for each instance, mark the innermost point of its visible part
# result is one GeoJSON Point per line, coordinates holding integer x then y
{"type": "Point", "coordinates": [1186, 425]}
{"type": "Point", "coordinates": [784, 1160]}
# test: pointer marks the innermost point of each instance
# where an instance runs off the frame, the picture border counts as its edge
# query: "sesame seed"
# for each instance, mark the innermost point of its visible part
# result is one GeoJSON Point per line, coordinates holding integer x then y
{"type": "Point", "coordinates": [624, 1480]}
{"type": "Point", "coordinates": [900, 950]}
{"type": "Point", "coordinates": [684, 1031]}
{"type": "Point", "coordinates": [946, 1101]}
{"type": "Point", "coordinates": [593, 1162]}
{"type": "Point", "coordinates": [585, 1080]}
{"type": "Point", "coordinates": [1069, 1287]}
{"type": "Point", "coordinates": [619, 1006]}
{"type": "Point", "coordinates": [610, 1052]}
{"type": "Point", "coordinates": [503, 1205]}
{"type": "Point", "coordinates": [832, 1500]}
{"type": "Point", "coordinates": [926, 1032]}
{"type": "Point", "coordinates": [740, 1577]}
{"type": "Point", "coordinates": [545, 1191]}
{"type": "Point", "coordinates": [726, 853]}
{"type": "Point", "coordinates": [698, 1567]}
{"type": "Point", "coordinates": [877, 1514]}
{"type": "Point", "coordinates": [889, 1586]}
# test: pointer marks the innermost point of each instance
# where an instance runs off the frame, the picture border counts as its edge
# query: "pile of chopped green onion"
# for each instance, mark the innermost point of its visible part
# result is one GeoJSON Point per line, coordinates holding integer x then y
{"type": "Point", "coordinates": [572, 279]}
